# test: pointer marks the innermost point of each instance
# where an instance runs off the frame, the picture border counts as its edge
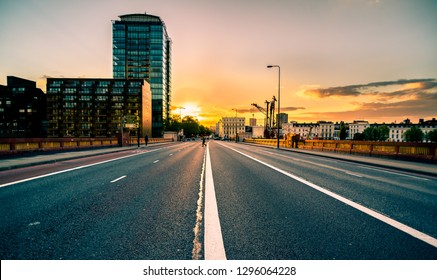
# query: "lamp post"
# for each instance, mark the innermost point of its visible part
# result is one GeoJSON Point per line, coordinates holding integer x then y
{"type": "Point", "coordinates": [279, 98]}
{"type": "Point", "coordinates": [180, 112]}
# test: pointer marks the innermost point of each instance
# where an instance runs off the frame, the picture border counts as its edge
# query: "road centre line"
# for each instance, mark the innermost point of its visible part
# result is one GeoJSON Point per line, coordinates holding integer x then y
{"type": "Point", "coordinates": [402, 227]}
{"type": "Point", "coordinates": [118, 179]}
{"type": "Point", "coordinates": [214, 247]}
{"type": "Point", "coordinates": [197, 244]}
{"type": "Point", "coordinates": [71, 169]}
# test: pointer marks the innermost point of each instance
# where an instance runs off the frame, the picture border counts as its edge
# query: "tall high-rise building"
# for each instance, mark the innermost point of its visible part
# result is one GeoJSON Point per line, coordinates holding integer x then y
{"type": "Point", "coordinates": [142, 50]}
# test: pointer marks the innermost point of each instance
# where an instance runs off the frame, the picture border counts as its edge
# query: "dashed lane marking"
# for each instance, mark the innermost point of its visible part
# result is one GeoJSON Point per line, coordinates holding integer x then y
{"type": "Point", "coordinates": [118, 179]}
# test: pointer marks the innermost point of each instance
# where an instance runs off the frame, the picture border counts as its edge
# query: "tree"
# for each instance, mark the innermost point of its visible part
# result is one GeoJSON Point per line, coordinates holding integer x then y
{"type": "Point", "coordinates": [432, 135]}
{"type": "Point", "coordinates": [414, 134]}
{"type": "Point", "coordinates": [173, 124]}
{"type": "Point", "coordinates": [359, 136]}
{"type": "Point", "coordinates": [376, 133]}
{"type": "Point", "coordinates": [370, 133]}
{"type": "Point", "coordinates": [343, 131]}
{"type": "Point", "coordinates": [190, 126]}
{"type": "Point", "coordinates": [383, 133]}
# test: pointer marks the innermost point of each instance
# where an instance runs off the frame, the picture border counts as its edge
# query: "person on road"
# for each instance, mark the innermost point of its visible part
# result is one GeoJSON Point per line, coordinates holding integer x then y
{"type": "Point", "coordinates": [203, 142]}
{"type": "Point", "coordinates": [146, 139]}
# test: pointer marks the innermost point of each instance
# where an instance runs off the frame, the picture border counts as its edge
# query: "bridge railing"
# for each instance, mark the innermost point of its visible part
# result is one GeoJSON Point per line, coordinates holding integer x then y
{"type": "Point", "coordinates": [401, 150]}
{"type": "Point", "coordinates": [10, 146]}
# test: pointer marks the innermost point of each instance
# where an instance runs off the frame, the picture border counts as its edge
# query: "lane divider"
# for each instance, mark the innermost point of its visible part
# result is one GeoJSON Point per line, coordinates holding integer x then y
{"type": "Point", "coordinates": [214, 247]}
{"type": "Point", "coordinates": [118, 179]}
{"type": "Point", "coordinates": [197, 244]}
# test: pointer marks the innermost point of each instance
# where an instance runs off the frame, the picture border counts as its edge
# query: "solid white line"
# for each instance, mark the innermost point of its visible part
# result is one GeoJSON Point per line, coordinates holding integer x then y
{"type": "Point", "coordinates": [402, 227]}
{"type": "Point", "coordinates": [197, 244]}
{"type": "Point", "coordinates": [395, 173]}
{"type": "Point", "coordinates": [68, 170]}
{"type": "Point", "coordinates": [214, 247]}
{"type": "Point", "coordinates": [122, 177]}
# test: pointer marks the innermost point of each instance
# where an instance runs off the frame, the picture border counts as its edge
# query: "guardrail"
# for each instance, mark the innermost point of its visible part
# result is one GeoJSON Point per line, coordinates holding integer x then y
{"type": "Point", "coordinates": [398, 150]}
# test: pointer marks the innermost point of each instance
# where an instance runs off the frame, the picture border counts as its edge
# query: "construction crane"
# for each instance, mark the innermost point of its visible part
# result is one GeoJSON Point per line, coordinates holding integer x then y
{"type": "Point", "coordinates": [266, 121]}
{"type": "Point", "coordinates": [272, 111]}
{"type": "Point", "coordinates": [269, 113]}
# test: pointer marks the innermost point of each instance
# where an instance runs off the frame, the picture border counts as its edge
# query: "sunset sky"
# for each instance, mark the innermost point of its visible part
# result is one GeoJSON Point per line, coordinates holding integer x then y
{"type": "Point", "coordinates": [340, 59]}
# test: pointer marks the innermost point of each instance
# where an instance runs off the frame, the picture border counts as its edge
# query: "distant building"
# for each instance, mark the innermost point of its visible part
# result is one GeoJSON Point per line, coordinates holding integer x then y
{"type": "Point", "coordinates": [326, 130]}
{"type": "Point", "coordinates": [397, 131]}
{"type": "Point", "coordinates": [357, 127]}
{"type": "Point", "coordinates": [233, 126]}
{"type": "Point", "coordinates": [258, 131]}
{"type": "Point", "coordinates": [252, 122]}
{"type": "Point", "coordinates": [22, 109]}
{"type": "Point", "coordinates": [329, 130]}
{"type": "Point", "coordinates": [319, 130]}
{"type": "Point", "coordinates": [219, 129]}
{"type": "Point", "coordinates": [142, 50]}
{"type": "Point", "coordinates": [282, 118]}
{"type": "Point", "coordinates": [97, 107]}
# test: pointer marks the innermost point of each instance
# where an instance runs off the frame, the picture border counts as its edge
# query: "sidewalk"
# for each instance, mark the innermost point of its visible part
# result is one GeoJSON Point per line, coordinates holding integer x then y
{"type": "Point", "coordinates": [24, 161]}
{"type": "Point", "coordinates": [402, 165]}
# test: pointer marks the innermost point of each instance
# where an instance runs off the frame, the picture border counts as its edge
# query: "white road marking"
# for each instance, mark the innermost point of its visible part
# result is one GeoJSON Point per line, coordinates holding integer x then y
{"type": "Point", "coordinates": [395, 173]}
{"type": "Point", "coordinates": [118, 179]}
{"type": "Point", "coordinates": [156, 161]}
{"type": "Point", "coordinates": [68, 170]}
{"type": "Point", "coordinates": [197, 244]}
{"type": "Point", "coordinates": [214, 247]}
{"type": "Point", "coordinates": [321, 165]}
{"type": "Point", "coordinates": [402, 227]}
{"type": "Point", "coordinates": [353, 174]}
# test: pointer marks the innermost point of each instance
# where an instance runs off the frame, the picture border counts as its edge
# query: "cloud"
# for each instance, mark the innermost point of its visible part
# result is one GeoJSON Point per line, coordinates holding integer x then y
{"type": "Point", "coordinates": [388, 112]}
{"type": "Point", "coordinates": [408, 87]}
{"type": "Point", "coordinates": [388, 100]}
{"type": "Point", "coordinates": [292, 108]}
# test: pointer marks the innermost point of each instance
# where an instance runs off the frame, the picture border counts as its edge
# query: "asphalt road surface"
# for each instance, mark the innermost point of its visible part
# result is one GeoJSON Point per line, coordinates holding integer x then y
{"type": "Point", "coordinates": [223, 201]}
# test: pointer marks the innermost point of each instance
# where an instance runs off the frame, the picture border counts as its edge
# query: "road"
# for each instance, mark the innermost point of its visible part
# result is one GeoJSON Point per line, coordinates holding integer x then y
{"type": "Point", "coordinates": [226, 200]}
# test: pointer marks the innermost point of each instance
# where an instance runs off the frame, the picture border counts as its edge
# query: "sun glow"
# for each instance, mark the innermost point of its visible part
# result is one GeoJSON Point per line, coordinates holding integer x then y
{"type": "Point", "coordinates": [188, 109]}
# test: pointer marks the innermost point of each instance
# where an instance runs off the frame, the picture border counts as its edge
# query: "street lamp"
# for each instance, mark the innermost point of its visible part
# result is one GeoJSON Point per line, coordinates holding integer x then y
{"type": "Point", "coordinates": [279, 98]}
{"type": "Point", "coordinates": [180, 112]}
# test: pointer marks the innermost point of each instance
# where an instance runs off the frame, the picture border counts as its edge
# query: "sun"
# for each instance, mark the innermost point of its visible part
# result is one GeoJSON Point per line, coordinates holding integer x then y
{"type": "Point", "coordinates": [188, 109]}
